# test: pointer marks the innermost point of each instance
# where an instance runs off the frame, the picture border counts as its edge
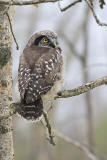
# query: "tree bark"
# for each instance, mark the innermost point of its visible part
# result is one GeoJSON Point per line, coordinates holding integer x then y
{"type": "Point", "coordinates": [6, 141]}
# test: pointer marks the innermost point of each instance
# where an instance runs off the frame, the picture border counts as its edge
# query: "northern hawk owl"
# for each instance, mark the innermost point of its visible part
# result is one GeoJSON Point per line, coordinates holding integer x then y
{"type": "Point", "coordinates": [39, 73]}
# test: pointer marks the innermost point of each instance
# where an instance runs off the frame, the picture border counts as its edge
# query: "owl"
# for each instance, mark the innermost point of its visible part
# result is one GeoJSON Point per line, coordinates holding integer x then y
{"type": "Point", "coordinates": [39, 73]}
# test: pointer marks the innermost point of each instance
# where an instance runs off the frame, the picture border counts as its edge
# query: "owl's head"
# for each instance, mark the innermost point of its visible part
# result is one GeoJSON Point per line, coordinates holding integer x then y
{"type": "Point", "coordinates": [44, 38]}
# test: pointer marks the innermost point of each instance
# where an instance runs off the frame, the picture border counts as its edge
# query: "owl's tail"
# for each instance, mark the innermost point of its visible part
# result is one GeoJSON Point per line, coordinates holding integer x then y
{"type": "Point", "coordinates": [30, 111]}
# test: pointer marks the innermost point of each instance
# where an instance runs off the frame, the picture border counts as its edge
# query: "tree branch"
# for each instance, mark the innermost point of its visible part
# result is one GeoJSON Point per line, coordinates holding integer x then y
{"type": "Point", "coordinates": [17, 46]}
{"type": "Point", "coordinates": [30, 2]}
{"type": "Point", "coordinates": [68, 93]}
{"type": "Point", "coordinates": [94, 14]}
{"type": "Point", "coordinates": [48, 126]}
{"type": "Point", "coordinates": [102, 3]}
{"type": "Point", "coordinates": [90, 4]}
{"type": "Point", "coordinates": [76, 144]}
{"type": "Point", "coordinates": [70, 5]}
{"type": "Point", "coordinates": [82, 89]}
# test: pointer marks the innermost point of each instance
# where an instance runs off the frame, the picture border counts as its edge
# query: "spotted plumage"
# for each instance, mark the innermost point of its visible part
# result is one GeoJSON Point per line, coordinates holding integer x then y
{"type": "Point", "coordinates": [40, 68]}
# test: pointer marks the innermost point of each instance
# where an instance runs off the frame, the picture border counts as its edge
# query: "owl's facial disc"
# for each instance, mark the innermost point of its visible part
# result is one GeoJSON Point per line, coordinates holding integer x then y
{"type": "Point", "coordinates": [46, 41]}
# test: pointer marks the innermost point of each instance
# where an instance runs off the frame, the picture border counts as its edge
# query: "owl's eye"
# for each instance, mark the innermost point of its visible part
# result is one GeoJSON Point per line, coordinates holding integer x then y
{"type": "Point", "coordinates": [45, 40]}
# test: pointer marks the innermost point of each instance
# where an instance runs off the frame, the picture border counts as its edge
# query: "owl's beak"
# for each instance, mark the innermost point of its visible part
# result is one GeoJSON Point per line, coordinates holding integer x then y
{"type": "Point", "coordinates": [54, 44]}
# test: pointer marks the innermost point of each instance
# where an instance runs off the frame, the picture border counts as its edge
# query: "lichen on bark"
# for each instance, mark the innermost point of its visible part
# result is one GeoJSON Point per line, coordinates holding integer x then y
{"type": "Point", "coordinates": [5, 55]}
{"type": "Point", "coordinates": [6, 141]}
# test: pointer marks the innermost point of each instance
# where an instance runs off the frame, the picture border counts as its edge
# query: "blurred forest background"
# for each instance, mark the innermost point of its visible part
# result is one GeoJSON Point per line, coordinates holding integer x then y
{"type": "Point", "coordinates": [84, 117]}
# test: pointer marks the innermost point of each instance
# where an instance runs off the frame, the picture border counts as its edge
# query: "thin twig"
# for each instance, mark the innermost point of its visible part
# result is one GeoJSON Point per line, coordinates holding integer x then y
{"type": "Point", "coordinates": [50, 108]}
{"type": "Point", "coordinates": [17, 47]}
{"type": "Point", "coordinates": [91, 2]}
{"type": "Point", "coordinates": [94, 14]}
{"type": "Point", "coordinates": [76, 144]}
{"type": "Point", "coordinates": [7, 8]}
{"type": "Point", "coordinates": [48, 126]}
{"type": "Point", "coordinates": [70, 5]}
{"type": "Point", "coordinates": [102, 3]}
{"type": "Point", "coordinates": [6, 12]}
{"type": "Point", "coordinates": [82, 89]}
{"type": "Point", "coordinates": [30, 2]}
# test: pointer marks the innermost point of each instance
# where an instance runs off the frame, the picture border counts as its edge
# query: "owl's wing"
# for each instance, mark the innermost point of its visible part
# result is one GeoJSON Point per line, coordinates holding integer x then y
{"type": "Point", "coordinates": [26, 65]}
{"type": "Point", "coordinates": [47, 70]}
{"type": "Point", "coordinates": [23, 78]}
{"type": "Point", "coordinates": [37, 75]}
{"type": "Point", "coordinates": [51, 64]}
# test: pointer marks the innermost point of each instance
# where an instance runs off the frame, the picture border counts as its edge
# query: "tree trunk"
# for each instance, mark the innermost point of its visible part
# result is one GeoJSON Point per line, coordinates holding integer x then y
{"type": "Point", "coordinates": [6, 141]}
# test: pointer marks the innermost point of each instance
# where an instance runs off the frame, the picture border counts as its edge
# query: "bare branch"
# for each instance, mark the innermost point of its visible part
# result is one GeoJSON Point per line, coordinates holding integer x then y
{"type": "Point", "coordinates": [102, 3]}
{"type": "Point", "coordinates": [90, 4]}
{"type": "Point", "coordinates": [17, 47]}
{"type": "Point", "coordinates": [82, 89]}
{"type": "Point", "coordinates": [94, 14]}
{"type": "Point", "coordinates": [30, 2]}
{"type": "Point", "coordinates": [48, 126]}
{"type": "Point", "coordinates": [67, 93]}
{"type": "Point", "coordinates": [70, 5]}
{"type": "Point", "coordinates": [11, 29]}
{"type": "Point", "coordinates": [76, 144]}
